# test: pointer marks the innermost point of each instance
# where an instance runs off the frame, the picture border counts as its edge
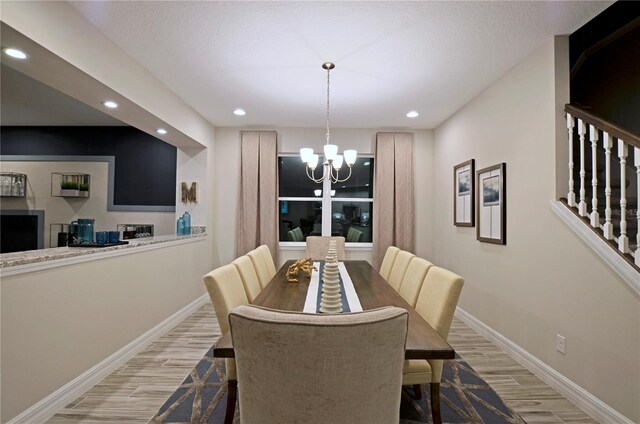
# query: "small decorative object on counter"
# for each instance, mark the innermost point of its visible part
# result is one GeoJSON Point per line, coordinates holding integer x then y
{"type": "Point", "coordinates": [331, 299]}
{"type": "Point", "coordinates": [187, 223]}
{"type": "Point", "coordinates": [130, 231]}
{"type": "Point", "coordinates": [73, 233]}
{"type": "Point", "coordinates": [102, 237]}
{"type": "Point", "coordinates": [304, 265]}
{"type": "Point", "coordinates": [85, 230]}
{"type": "Point", "coordinates": [63, 239]}
{"type": "Point", "coordinates": [114, 236]}
{"type": "Point", "coordinates": [180, 226]}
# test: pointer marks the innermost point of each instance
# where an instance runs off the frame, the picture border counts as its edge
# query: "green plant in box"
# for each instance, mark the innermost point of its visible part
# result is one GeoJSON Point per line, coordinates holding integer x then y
{"type": "Point", "coordinates": [69, 185]}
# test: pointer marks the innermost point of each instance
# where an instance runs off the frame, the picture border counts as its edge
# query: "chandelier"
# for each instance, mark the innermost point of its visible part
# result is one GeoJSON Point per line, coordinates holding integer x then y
{"type": "Point", "coordinates": [333, 161]}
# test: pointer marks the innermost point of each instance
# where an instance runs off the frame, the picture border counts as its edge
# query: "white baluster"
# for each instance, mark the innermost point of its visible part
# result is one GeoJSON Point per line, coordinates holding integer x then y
{"type": "Point", "coordinates": [623, 241]}
{"type": "Point", "coordinates": [608, 227]}
{"type": "Point", "coordinates": [637, 161]}
{"type": "Point", "coordinates": [595, 217]}
{"type": "Point", "coordinates": [571, 196]}
{"type": "Point", "coordinates": [582, 206]}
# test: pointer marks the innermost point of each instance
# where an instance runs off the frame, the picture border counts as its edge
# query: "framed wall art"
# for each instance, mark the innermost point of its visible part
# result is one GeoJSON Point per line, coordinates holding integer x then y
{"type": "Point", "coordinates": [492, 204]}
{"type": "Point", "coordinates": [463, 194]}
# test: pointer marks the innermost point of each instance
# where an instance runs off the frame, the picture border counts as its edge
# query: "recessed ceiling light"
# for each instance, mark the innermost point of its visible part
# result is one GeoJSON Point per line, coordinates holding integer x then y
{"type": "Point", "coordinates": [366, 185]}
{"type": "Point", "coordinates": [161, 131]}
{"type": "Point", "coordinates": [110, 104]}
{"type": "Point", "coordinates": [15, 53]}
{"type": "Point", "coordinates": [239, 112]}
{"type": "Point", "coordinates": [412, 114]}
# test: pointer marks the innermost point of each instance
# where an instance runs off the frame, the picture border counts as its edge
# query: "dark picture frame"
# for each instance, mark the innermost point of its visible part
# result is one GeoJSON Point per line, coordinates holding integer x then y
{"type": "Point", "coordinates": [463, 194]}
{"type": "Point", "coordinates": [491, 211]}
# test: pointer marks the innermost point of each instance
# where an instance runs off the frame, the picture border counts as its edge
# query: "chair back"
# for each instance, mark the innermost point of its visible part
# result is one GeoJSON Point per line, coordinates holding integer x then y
{"type": "Point", "coordinates": [268, 259]}
{"type": "Point", "coordinates": [399, 268]}
{"type": "Point", "coordinates": [250, 279]}
{"type": "Point", "coordinates": [296, 234]}
{"type": "Point", "coordinates": [226, 291]}
{"type": "Point", "coordinates": [260, 265]}
{"type": "Point", "coordinates": [437, 303]}
{"type": "Point", "coordinates": [317, 247]}
{"type": "Point", "coordinates": [350, 373]}
{"type": "Point", "coordinates": [353, 235]}
{"type": "Point", "coordinates": [387, 261]}
{"type": "Point", "coordinates": [413, 278]}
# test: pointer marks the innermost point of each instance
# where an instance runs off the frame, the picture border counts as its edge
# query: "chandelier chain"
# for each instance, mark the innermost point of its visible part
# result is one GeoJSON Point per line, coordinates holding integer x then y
{"type": "Point", "coordinates": [328, 133]}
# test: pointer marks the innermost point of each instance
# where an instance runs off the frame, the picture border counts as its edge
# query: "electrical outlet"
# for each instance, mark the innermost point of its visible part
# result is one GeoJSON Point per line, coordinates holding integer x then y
{"type": "Point", "coordinates": [560, 343]}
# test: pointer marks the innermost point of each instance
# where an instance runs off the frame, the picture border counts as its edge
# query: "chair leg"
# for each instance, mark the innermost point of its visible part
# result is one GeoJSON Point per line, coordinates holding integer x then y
{"type": "Point", "coordinates": [435, 403]}
{"type": "Point", "coordinates": [232, 391]}
{"type": "Point", "coordinates": [417, 392]}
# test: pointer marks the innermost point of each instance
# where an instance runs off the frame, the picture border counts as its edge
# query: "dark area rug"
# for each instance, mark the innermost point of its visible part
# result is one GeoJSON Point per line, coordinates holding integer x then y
{"type": "Point", "coordinates": [465, 398]}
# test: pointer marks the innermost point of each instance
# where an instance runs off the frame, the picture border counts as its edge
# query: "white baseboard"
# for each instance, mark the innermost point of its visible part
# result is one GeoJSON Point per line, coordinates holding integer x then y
{"type": "Point", "coordinates": [590, 404]}
{"type": "Point", "coordinates": [50, 405]}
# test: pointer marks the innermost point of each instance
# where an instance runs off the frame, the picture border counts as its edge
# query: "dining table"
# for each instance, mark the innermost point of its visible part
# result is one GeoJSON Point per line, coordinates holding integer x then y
{"type": "Point", "coordinates": [373, 291]}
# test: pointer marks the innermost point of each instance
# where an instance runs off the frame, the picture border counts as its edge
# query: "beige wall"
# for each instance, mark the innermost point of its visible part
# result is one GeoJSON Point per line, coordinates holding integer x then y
{"type": "Point", "coordinates": [545, 280]}
{"type": "Point", "coordinates": [58, 323]}
{"type": "Point", "coordinates": [290, 140]}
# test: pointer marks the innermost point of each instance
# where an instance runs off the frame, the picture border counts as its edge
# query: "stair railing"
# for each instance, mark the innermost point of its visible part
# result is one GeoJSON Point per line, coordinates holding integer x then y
{"type": "Point", "coordinates": [626, 142]}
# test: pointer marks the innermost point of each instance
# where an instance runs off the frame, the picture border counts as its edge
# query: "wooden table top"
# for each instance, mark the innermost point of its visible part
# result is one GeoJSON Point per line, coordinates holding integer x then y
{"type": "Point", "coordinates": [423, 342]}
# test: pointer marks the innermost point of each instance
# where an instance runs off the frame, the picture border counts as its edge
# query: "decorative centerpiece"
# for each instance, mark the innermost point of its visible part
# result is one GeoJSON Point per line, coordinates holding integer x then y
{"type": "Point", "coordinates": [304, 265]}
{"type": "Point", "coordinates": [331, 299]}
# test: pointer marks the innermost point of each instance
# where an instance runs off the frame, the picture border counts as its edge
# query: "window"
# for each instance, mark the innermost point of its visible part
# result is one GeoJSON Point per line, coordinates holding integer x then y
{"type": "Point", "coordinates": [302, 202]}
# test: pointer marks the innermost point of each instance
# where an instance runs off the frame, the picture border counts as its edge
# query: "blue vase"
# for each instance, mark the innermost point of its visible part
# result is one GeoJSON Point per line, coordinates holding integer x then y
{"type": "Point", "coordinates": [180, 227]}
{"type": "Point", "coordinates": [187, 223]}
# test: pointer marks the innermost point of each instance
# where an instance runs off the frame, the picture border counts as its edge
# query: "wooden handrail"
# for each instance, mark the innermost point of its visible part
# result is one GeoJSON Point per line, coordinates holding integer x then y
{"type": "Point", "coordinates": [601, 44]}
{"type": "Point", "coordinates": [612, 129]}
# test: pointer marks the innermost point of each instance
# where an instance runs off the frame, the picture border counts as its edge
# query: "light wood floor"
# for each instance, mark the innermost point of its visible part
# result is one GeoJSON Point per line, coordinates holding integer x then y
{"type": "Point", "coordinates": [134, 392]}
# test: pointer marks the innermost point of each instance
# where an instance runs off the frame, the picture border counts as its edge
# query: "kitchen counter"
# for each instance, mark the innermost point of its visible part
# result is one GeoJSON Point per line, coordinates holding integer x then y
{"type": "Point", "coordinates": [32, 260]}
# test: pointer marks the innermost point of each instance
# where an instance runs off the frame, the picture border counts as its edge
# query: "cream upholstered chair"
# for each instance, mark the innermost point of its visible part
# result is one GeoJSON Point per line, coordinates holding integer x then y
{"type": "Point", "coordinates": [387, 262]}
{"type": "Point", "coordinates": [413, 278]}
{"type": "Point", "coordinates": [350, 373]}
{"type": "Point", "coordinates": [268, 259]}
{"type": "Point", "coordinates": [400, 265]}
{"type": "Point", "coordinates": [317, 247]}
{"type": "Point", "coordinates": [260, 265]}
{"type": "Point", "coordinates": [249, 277]}
{"type": "Point", "coordinates": [436, 304]}
{"type": "Point", "coordinates": [226, 291]}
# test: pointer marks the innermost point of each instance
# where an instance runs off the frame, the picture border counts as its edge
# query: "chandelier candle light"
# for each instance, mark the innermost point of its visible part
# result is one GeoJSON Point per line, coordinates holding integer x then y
{"type": "Point", "coordinates": [333, 161]}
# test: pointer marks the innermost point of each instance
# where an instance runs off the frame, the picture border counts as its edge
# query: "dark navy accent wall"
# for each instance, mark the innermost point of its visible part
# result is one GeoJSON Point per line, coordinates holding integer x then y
{"type": "Point", "coordinates": [145, 167]}
{"type": "Point", "coordinates": [607, 83]}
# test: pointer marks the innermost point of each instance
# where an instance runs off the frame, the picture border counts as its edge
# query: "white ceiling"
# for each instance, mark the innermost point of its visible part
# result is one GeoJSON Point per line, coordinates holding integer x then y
{"type": "Point", "coordinates": [391, 57]}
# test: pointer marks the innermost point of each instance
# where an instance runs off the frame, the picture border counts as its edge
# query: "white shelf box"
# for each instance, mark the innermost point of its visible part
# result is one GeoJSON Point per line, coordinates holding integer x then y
{"type": "Point", "coordinates": [70, 184]}
{"type": "Point", "coordinates": [13, 184]}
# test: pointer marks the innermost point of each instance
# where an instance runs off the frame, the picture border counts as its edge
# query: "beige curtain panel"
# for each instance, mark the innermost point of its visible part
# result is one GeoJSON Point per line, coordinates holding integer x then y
{"type": "Point", "coordinates": [258, 208]}
{"type": "Point", "coordinates": [393, 220]}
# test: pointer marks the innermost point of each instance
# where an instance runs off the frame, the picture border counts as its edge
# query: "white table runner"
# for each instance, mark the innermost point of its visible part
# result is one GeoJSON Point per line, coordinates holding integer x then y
{"type": "Point", "coordinates": [310, 304]}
